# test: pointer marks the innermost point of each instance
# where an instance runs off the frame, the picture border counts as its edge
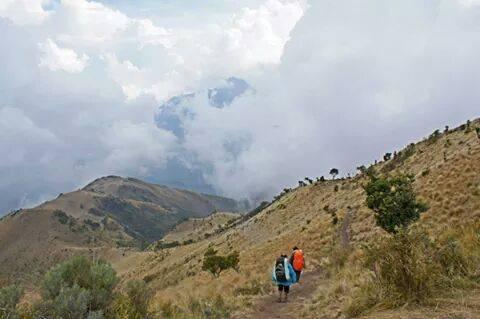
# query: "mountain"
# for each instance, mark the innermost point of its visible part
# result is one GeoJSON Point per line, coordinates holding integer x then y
{"type": "Point", "coordinates": [109, 213]}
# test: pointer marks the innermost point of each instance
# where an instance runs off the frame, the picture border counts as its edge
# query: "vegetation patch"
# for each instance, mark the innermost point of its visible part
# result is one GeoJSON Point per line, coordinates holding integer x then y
{"type": "Point", "coordinates": [215, 264]}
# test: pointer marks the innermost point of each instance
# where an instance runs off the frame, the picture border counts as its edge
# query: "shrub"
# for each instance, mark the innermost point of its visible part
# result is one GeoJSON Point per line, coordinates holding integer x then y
{"type": "Point", "coordinates": [404, 266]}
{"type": "Point", "coordinates": [134, 303]}
{"type": "Point", "coordinates": [425, 172]}
{"type": "Point", "coordinates": [93, 225]}
{"type": "Point", "coordinates": [9, 299]}
{"type": "Point", "coordinates": [400, 158]}
{"type": "Point", "coordinates": [71, 302]}
{"type": "Point", "coordinates": [362, 169]}
{"type": "Point", "coordinates": [408, 267]}
{"type": "Point", "coordinates": [468, 127]}
{"type": "Point", "coordinates": [159, 245]}
{"type": "Point", "coordinates": [215, 264]}
{"type": "Point", "coordinates": [393, 201]}
{"type": "Point", "coordinates": [77, 287]}
{"type": "Point", "coordinates": [139, 295]}
{"type": "Point", "coordinates": [433, 137]}
{"type": "Point", "coordinates": [61, 216]}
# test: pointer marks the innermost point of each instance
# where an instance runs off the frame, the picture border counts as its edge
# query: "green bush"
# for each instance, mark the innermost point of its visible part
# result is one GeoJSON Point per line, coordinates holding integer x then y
{"type": "Point", "coordinates": [62, 217]}
{"type": "Point", "coordinates": [72, 302]}
{"type": "Point", "coordinates": [215, 264]}
{"type": "Point", "coordinates": [9, 298]}
{"type": "Point", "coordinates": [77, 287]}
{"type": "Point", "coordinates": [394, 202]}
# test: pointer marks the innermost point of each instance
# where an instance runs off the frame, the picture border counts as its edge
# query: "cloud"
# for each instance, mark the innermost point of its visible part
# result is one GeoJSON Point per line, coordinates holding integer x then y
{"type": "Point", "coordinates": [334, 84]}
{"type": "Point", "coordinates": [136, 145]}
{"type": "Point", "coordinates": [88, 23]}
{"type": "Point", "coordinates": [24, 12]}
{"type": "Point", "coordinates": [56, 58]}
{"type": "Point", "coordinates": [185, 59]}
{"type": "Point", "coordinates": [355, 81]}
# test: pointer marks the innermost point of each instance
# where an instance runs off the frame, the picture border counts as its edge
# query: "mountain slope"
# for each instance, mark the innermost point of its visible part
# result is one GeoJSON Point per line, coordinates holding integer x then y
{"type": "Point", "coordinates": [109, 213]}
{"type": "Point", "coordinates": [447, 171]}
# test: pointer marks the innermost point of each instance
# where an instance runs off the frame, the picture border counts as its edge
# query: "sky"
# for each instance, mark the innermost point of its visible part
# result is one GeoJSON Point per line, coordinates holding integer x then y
{"type": "Point", "coordinates": [236, 98]}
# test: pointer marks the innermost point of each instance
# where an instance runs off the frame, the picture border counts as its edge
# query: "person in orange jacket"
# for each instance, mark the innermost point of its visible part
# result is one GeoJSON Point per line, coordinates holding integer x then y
{"type": "Point", "coordinates": [297, 259]}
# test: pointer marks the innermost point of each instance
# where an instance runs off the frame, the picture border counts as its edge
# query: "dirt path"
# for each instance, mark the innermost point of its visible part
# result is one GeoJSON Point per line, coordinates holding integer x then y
{"type": "Point", "coordinates": [268, 308]}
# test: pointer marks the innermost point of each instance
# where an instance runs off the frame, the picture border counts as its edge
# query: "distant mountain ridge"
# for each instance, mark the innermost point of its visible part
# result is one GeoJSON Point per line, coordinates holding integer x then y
{"type": "Point", "coordinates": [110, 212]}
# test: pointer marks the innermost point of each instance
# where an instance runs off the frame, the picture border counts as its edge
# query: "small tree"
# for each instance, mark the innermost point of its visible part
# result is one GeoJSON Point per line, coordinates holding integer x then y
{"type": "Point", "coordinates": [362, 169]}
{"type": "Point", "coordinates": [215, 264]}
{"type": "Point", "coordinates": [394, 202]}
{"type": "Point", "coordinates": [468, 126]}
{"type": "Point", "coordinates": [334, 172]}
{"type": "Point", "coordinates": [309, 180]}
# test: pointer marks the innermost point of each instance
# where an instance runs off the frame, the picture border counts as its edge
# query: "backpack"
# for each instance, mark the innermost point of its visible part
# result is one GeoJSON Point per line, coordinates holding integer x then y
{"type": "Point", "coordinates": [298, 260]}
{"type": "Point", "coordinates": [280, 271]}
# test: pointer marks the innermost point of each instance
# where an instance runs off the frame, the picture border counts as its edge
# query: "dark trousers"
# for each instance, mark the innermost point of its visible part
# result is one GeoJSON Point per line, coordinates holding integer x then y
{"type": "Point", "coordinates": [284, 288]}
{"type": "Point", "coordinates": [298, 273]}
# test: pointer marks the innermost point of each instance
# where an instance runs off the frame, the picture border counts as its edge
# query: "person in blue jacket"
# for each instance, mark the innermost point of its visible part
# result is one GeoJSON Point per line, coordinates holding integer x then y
{"type": "Point", "coordinates": [284, 276]}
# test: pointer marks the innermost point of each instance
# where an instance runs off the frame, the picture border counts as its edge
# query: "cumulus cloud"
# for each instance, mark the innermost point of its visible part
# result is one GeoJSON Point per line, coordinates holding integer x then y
{"type": "Point", "coordinates": [55, 58]}
{"type": "Point", "coordinates": [24, 12]}
{"type": "Point", "coordinates": [87, 23]}
{"type": "Point", "coordinates": [356, 80]}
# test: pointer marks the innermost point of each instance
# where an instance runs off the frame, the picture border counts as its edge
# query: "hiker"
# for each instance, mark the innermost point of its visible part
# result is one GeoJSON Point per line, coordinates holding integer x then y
{"type": "Point", "coordinates": [298, 261]}
{"type": "Point", "coordinates": [284, 276]}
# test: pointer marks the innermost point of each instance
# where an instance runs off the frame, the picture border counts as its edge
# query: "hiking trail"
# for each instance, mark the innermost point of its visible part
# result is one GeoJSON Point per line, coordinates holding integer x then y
{"type": "Point", "coordinates": [267, 307]}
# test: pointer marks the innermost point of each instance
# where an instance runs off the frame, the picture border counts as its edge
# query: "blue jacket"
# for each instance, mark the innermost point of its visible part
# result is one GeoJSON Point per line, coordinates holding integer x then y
{"type": "Point", "coordinates": [291, 278]}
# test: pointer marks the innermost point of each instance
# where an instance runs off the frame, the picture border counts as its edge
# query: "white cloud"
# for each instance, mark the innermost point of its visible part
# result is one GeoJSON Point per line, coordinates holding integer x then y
{"type": "Point", "coordinates": [469, 3]}
{"type": "Point", "coordinates": [56, 58]}
{"type": "Point", "coordinates": [185, 58]}
{"type": "Point", "coordinates": [355, 81]}
{"type": "Point", "coordinates": [24, 12]}
{"type": "Point", "coordinates": [149, 34]}
{"type": "Point", "coordinates": [352, 80]}
{"type": "Point", "coordinates": [136, 146]}
{"type": "Point", "coordinates": [87, 22]}
{"type": "Point", "coordinates": [258, 35]}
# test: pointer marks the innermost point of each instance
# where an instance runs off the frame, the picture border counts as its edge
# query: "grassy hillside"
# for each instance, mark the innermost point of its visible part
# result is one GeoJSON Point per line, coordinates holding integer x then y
{"type": "Point", "coordinates": [109, 216]}
{"type": "Point", "coordinates": [447, 180]}
{"type": "Point", "coordinates": [196, 229]}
